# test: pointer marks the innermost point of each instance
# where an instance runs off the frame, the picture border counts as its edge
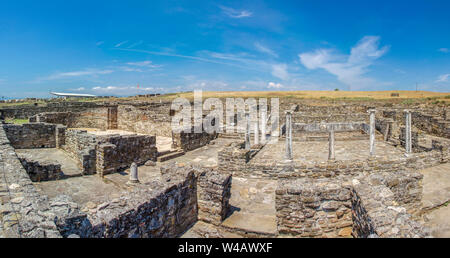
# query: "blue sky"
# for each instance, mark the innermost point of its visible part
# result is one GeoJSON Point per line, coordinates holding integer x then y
{"type": "Point", "coordinates": [111, 47]}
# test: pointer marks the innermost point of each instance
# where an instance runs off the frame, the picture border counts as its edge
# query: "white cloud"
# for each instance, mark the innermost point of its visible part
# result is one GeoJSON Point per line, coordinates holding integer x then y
{"type": "Point", "coordinates": [144, 64]}
{"type": "Point", "coordinates": [79, 89]}
{"type": "Point", "coordinates": [124, 90]}
{"type": "Point", "coordinates": [348, 69]}
{"type": "Point", "coordinates": [274, 85]}
{"type": "Point", "coordinates": [443, 78]}
{"type": "Point", "coordinates": [444, 50]}
{"type": "Point", "coordinates": [121, 43]}
{"type": "Point", "coordinates": [100, 43]}
{"type": "Point", "coordinates": [87, 72]}
{"type": "Point", "coordinates": [280, 71]}
{"type": "Point", "coordinates": [265, 49]}
{"type": "Point", "coordinates": [236, 14]}
{"type": "Point", "coordinates": [136, 44]}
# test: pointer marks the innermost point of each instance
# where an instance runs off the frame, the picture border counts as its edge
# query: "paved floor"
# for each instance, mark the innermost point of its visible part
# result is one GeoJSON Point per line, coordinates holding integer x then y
{"type": "Point", "coordinates": [89, 191]}
{"type": "Point", "coordinates": [436, 196]}
{"type": "Point", "coordinates": [53, 155]}
{"type": "Point", "coordinates": [253, 206]}
{"type": "Point", "coordinates": [318, 151]}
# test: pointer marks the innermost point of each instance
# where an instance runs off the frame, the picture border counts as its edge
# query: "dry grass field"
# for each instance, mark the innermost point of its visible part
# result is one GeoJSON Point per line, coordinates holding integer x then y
{"type": "Point", "coordinates": [350, 95]}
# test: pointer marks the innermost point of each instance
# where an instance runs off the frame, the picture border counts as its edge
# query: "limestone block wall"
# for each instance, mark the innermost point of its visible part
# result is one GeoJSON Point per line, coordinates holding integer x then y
{"type": "Point", "coordinates": [374, 206]}
{"type": "Point", "coordinates": [155, 210]}
{"type": "Point", "coordinates": [325, 127]}
{"type": "Point", "coordinates": [64, 118]}
{"type": "Point", "coordinates": [406, 187]}
{"type": "Point", "coordinates": [213, 195]}
{"type": "Point", "coordinates": [191, 141]}
{"type": "Point", "coordinates": [31, 135]}
{"type": "Point", "coordinates": [116, 152]}
{"type": "Point", "coordinates": [377, 214]}
{"type": "Point", "coordinates": [425, 120]}
{"type": "Point", "coordinates": [27, 111]}
{"type": "Point", "coordinates": [23, 212]}
{"type": "Point", "coordinates": [41, 170]}
{"type": "Point", "coordinates": [152, 119]}
{"type": "Point", "coordinates": [329, 118]}
{"type": "Point", "coordinates": [80, 145]}
{"type": "Point", "coordinates": [99, 117]}
{"type": "Point", "coordinates": [234, 158]}
{"type": "Point", "coordinates": [313, 208]}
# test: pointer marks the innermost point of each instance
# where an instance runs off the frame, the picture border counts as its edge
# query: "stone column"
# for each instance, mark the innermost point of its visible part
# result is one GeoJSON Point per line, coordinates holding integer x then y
{"type": "Point", "coordinates": [372, 132]}
{"type": "Point", "coordinates": [256, 130]}
{"type": "Point", "coordinates": [408, 141]}
{"type": "Point", "coordinates": [289, 135]}
{"type": "Point", "coordinates": [247, 131]}
{"type": "Point", "coordinates": [331, 145]}
{"type": "Point", "coordinates": [263, 127]}
{"type": "Point", "coordinates": [133, 174]}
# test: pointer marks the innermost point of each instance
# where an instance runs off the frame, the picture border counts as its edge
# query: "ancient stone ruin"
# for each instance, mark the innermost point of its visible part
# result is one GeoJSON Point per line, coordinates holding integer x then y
{"type": "Point", "coordinates": [116, 169]}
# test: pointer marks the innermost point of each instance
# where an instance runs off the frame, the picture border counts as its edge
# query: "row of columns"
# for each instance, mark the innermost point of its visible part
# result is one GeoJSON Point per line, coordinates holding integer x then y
{"type": "Point", "coordinates": [257, 138]}
{"type": "Point", "coordinates": [331, 135]}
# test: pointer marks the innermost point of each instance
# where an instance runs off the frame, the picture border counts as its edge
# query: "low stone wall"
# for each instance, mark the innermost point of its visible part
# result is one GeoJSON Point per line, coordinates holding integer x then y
{"type": "Point", "coordinates": [23, 212]}
{"type": "Point", "coordinates": [373, 205]}
{"type": "Point", "coordinates": [234, 157]}
{"type": "Point", "coordinates": [81, 146]}
{"type": "Point", "coordinates": [326, 127]}
{"type": "Point", "coordinates": [90, 118]}
{"type": "Point", "coordinates": [157, 209]}
{"type": "Point", "coordinates": [329, 118]}
{"type": "Point", "coordinates": [238, 161]}
{"type": "Point", "coordinates": [116, 152]}
{"type": "Point", "coordinates": [406, 187]}
{"type": "Point", "coordinates": [313, 208]}
{"type": "Point", "coordinates": [152, 119]}
{"type": "Point", "coordinates": [27, 111]}
{"type": "Point", "coordinates": [213, 195]}
{"type": "Point", "coordinates": [41, 170]}
{"type": "Point", "coordinates": [31, 135]}
{"type": "Point", "coordinates": [191, 141]}
{"type": "Point", "coordinates": [377, 214]}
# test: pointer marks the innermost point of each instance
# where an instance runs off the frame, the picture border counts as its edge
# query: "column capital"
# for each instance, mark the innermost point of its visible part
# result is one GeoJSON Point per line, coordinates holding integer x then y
{"type": "Point", "coordinates": [407, 111]}
{"type": "Point", "coordinates": [288, 112]}
{"type": "Point", "coordinates": [371, 110]}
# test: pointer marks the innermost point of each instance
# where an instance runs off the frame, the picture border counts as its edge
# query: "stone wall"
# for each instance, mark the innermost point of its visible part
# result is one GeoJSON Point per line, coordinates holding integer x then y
{"type": "Point", "coordinates": [23, 212]}
{"type": "Point", "coordinates": [81, 146]}
{"type": "Point", "coordinates": [116, 152]}
{"type": "Point", "coordinates": [326, 127]}
{"type": "Point", "coordinates": [376, 213]}
{"type": "Point", "coordinates": [41, 170]}
{"type": "Point", "coordinates": [329, 118]}
{"type": "Point", "coordinates": [429, 121]}
{"type": "Point", "coordinates": [90, 118]}
{"type": "Point", "coordinates": [31, 135]}
{"type": "Point", "coordinates": [191, 141]}
{"type": "Point", "coordinates": [406, 187]}
{"type": "Point", "coordinates": [213, 195]}
{"type": "Point", "coordinates": [367, 206]}
{"type": "Point", "coordinates": [234, 157]}
{"type": "Point", "coordinates": [313, 208]}
{"type": "Point", "coordinates": [27, 111]}
{"type": "Point", "coordinates": [157, 209]}
{"type": "Point", "coordinates": [152, 119]}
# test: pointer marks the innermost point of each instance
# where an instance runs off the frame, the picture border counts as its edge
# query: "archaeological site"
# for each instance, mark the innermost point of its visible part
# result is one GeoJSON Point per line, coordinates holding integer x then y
{"type": "Point", "coordinates": [322, 169]}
